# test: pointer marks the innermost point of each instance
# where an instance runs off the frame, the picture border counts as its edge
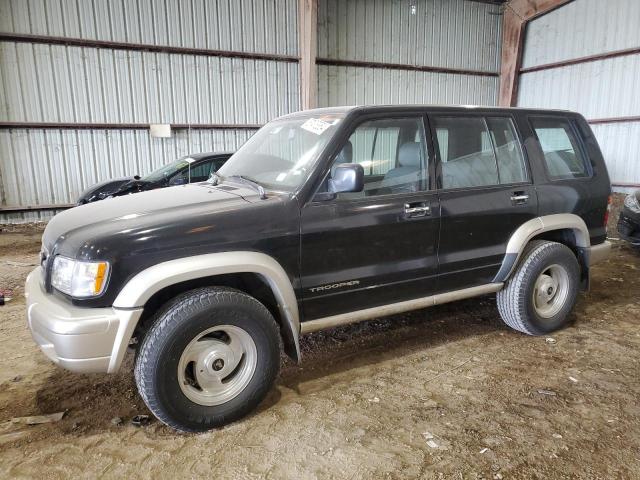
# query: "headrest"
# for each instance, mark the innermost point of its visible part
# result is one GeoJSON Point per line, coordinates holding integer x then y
{"type": "Point", "coordinates": [409, 155]}
{"type": "Point", "coordinates": [346, 154]}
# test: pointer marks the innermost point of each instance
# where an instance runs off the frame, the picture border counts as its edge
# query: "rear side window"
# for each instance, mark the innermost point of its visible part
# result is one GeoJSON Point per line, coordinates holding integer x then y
{"type": "Point", "coordinates": [508, 150]}
{"type": "Point", "coordinates": [562, 153]}
{"type": "Point", "coordinates": [479, 151]}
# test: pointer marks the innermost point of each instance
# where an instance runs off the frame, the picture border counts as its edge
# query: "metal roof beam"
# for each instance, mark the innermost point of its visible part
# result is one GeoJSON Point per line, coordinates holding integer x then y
{"type": "Point", "coordinates": [516, 15]}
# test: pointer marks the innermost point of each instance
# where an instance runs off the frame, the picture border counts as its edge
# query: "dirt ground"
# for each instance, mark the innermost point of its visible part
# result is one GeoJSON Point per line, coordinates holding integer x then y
{"type": "Point", "coordinates": [446, 392]}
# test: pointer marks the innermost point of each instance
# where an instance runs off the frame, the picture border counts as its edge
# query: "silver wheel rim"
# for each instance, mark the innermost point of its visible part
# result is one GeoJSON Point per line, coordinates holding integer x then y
{"type": "Point", "coordinates": [550, 291]}
{"type": "Point", "coordinates": [217, 365]}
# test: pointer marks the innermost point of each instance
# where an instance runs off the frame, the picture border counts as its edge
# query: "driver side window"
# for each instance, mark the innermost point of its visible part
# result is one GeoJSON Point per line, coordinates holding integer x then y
{"type": "Point", "coordinates": [201, 172]}
{"type": "Point", "coordinates": [392, 154]}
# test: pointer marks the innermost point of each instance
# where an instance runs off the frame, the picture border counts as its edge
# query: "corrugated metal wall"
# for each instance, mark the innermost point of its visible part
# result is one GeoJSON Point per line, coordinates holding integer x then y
{"type": "Point", "coordinates": [599, 89]}
{"type": "Point", "coordinates": [338, 85]}
{"type": "Point", "coordinates": [452, 34]}
{"type": "Point", "coordinates": [264, 26]}
{"type": "Point", "coordinates": [71, 84]}
{"type": "Point", "coordinates": [58, 83]}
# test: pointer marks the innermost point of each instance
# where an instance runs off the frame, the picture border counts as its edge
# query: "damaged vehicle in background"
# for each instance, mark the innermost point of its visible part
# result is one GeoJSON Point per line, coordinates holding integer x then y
{"type": "Point", "coordinates": [189, 169]}
{"type": "Point", "coordinates": [629, 221]}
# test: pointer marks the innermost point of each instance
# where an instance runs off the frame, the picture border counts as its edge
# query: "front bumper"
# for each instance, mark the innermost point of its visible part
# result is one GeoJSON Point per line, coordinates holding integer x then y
{"type": "Point", "coordinates": [77, 338]}
{"type": "Point", "coordinates": [629, 227]}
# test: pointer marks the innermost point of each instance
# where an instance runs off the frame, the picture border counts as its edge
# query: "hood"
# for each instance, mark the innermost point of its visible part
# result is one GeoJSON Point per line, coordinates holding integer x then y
{"type": "Point", "coordinates": [106, 187]}
{"type": "Point", "coordinates": [142, 210]}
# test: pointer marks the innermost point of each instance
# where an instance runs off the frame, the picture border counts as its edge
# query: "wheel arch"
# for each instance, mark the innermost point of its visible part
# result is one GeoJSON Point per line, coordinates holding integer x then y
{"type": "Point", "coordinates": [237, 269]}
{"type": "Point", "coordinates": [566, 228]}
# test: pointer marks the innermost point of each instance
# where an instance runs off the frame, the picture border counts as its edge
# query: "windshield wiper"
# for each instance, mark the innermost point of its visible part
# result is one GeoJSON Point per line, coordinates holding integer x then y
{"type": "Point", "coordinates": [252, 183]}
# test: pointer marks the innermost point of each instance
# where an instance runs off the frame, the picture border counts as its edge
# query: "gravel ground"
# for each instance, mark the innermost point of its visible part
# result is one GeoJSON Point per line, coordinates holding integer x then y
{"type": "Point", "coordinates": [447, 392]}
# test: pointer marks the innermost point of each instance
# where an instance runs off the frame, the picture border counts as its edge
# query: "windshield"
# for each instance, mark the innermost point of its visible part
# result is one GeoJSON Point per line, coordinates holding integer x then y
{"type": "Point", "coordinates": [167, 170]}
{"type": "Point", "coordinates": [281, 155]}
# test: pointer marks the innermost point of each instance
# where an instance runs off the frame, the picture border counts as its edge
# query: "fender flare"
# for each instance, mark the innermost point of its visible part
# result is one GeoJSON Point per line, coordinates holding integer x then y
{"type": "Point", "coordinates": [139, 289]}
{"type": "Point", "coordinates": [536, 226]}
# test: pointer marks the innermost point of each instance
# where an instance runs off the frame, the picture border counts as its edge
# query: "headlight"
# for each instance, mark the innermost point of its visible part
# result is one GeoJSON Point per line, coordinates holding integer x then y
{"type": "Point", "coordinates": [631, 202]}
{"type": "Point", "coordinates": [79, 279]}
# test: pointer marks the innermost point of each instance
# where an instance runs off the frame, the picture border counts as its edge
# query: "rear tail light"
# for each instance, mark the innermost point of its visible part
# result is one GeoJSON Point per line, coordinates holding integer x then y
{"type": "Point", "coordinates": [606, 213]}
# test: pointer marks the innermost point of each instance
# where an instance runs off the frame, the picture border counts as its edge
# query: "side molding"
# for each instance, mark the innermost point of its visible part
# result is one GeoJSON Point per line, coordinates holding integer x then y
{"type": "Point", "coordinates": [141, 287]}
{"type": "Point", "coordinates": [400, 307]}
{"type": "Point", "coordinates": [534, 227]}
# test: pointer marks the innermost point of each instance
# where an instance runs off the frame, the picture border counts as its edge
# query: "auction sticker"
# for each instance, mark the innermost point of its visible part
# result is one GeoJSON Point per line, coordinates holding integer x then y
{"type": "Point", "coordinates": [315, 125]}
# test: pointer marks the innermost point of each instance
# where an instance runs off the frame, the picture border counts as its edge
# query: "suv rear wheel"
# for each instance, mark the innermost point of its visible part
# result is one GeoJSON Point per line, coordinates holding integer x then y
{"type": "Point", "coordinates": [210, 357]}
{"type": "Point", "coordinates": [539, 296]}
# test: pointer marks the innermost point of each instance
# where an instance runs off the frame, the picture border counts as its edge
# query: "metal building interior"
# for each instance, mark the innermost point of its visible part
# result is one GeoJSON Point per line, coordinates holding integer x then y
{"type": "Point", "coordinates": [82, 82]}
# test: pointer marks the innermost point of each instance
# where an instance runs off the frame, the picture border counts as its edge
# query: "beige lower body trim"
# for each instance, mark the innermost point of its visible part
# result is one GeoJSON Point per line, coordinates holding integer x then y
{"type": "Point", "coordinates": [394, 308]}
{"type": "Point", "coordinates": [599, 253]}
{"type": "Point", "coordinates": [79, 339]}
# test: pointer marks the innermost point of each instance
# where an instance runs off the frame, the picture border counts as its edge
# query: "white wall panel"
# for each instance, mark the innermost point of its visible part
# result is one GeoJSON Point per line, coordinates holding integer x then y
{"type": "Point", "coordinates": [56, 83]}
{"type": "Point", "coordinates": [620, 145]}
{"type": "Point", "coordinates": [441, 33]}
{"type": "Point", "coordinates": [261, 26]}
{"type": "Point", "coordinates": [600, 89]}
{"type": "Point", "coordinates": [582, 28]}
{"type": "Point", "coordinates": [339, 85]}
{"type": "Point", "coordinates": [456, 34]}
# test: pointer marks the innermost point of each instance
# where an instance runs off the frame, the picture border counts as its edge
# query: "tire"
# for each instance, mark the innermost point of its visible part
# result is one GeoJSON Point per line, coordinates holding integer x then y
{"type": "Point", "coordinates": [209, 358]}
{"type": "Point", "coordinates": [540, 294]}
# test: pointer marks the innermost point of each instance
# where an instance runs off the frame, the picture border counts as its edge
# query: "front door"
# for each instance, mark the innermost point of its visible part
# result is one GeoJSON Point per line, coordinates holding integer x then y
{"type": "Point", "coordinates": [486, 194]}
{"type": "Point", "coordinates": [378, 246]}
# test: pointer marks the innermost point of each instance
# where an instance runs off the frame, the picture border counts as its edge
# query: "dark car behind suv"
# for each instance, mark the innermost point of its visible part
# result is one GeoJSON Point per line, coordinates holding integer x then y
{"type": "Point", "coordinates": [193, 168]}
{"type": "Point", "coordinates": [629, 221]}
{"type": "Point", "coordinates": [322, 218]}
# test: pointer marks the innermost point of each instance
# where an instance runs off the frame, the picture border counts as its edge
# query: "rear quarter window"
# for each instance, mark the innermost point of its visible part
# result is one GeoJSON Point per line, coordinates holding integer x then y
{"type": "Point", "coordinates": [563, 155]}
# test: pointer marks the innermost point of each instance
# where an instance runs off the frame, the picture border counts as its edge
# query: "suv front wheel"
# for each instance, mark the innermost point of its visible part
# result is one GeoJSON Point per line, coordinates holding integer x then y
{"type": "Point", "coordinates": [209, 358]}
{"type": "Point", "coordinates": [540, 294]}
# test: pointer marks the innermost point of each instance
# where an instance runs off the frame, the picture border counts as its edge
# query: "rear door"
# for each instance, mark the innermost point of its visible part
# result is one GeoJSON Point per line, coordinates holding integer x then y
{"type": "Point", "coordinates": [378, 246]}
{"type": "Point", "coordinates": [485, 194]}
{"type": "Point", "coordinates": [571, 175]}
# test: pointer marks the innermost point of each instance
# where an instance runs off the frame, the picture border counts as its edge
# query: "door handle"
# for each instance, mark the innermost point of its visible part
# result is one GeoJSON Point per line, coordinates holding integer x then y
{"type": "Point", "coordinates": [412, 210]}
{"type": "Point", "coordinates": [519, 198]}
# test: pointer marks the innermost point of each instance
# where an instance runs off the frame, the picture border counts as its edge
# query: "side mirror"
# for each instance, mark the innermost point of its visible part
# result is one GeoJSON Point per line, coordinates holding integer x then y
{"type": "Point", "coordinates": [347, 177]}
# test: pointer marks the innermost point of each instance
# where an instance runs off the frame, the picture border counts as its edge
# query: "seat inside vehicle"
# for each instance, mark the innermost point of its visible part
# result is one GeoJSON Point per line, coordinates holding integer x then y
{"type": "Point", "coordinates": [405, 177]}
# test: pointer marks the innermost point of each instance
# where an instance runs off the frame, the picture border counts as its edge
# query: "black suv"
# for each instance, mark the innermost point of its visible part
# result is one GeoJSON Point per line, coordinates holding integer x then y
{"type": "Point", "coordinates": [322, 218]}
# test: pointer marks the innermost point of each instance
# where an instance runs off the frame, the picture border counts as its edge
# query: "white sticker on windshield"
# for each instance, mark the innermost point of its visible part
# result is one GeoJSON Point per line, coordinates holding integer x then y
{"type": "Point", "coordinates": [316, 126]}
{"type": "Point", "coordinates": [189, 160]}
